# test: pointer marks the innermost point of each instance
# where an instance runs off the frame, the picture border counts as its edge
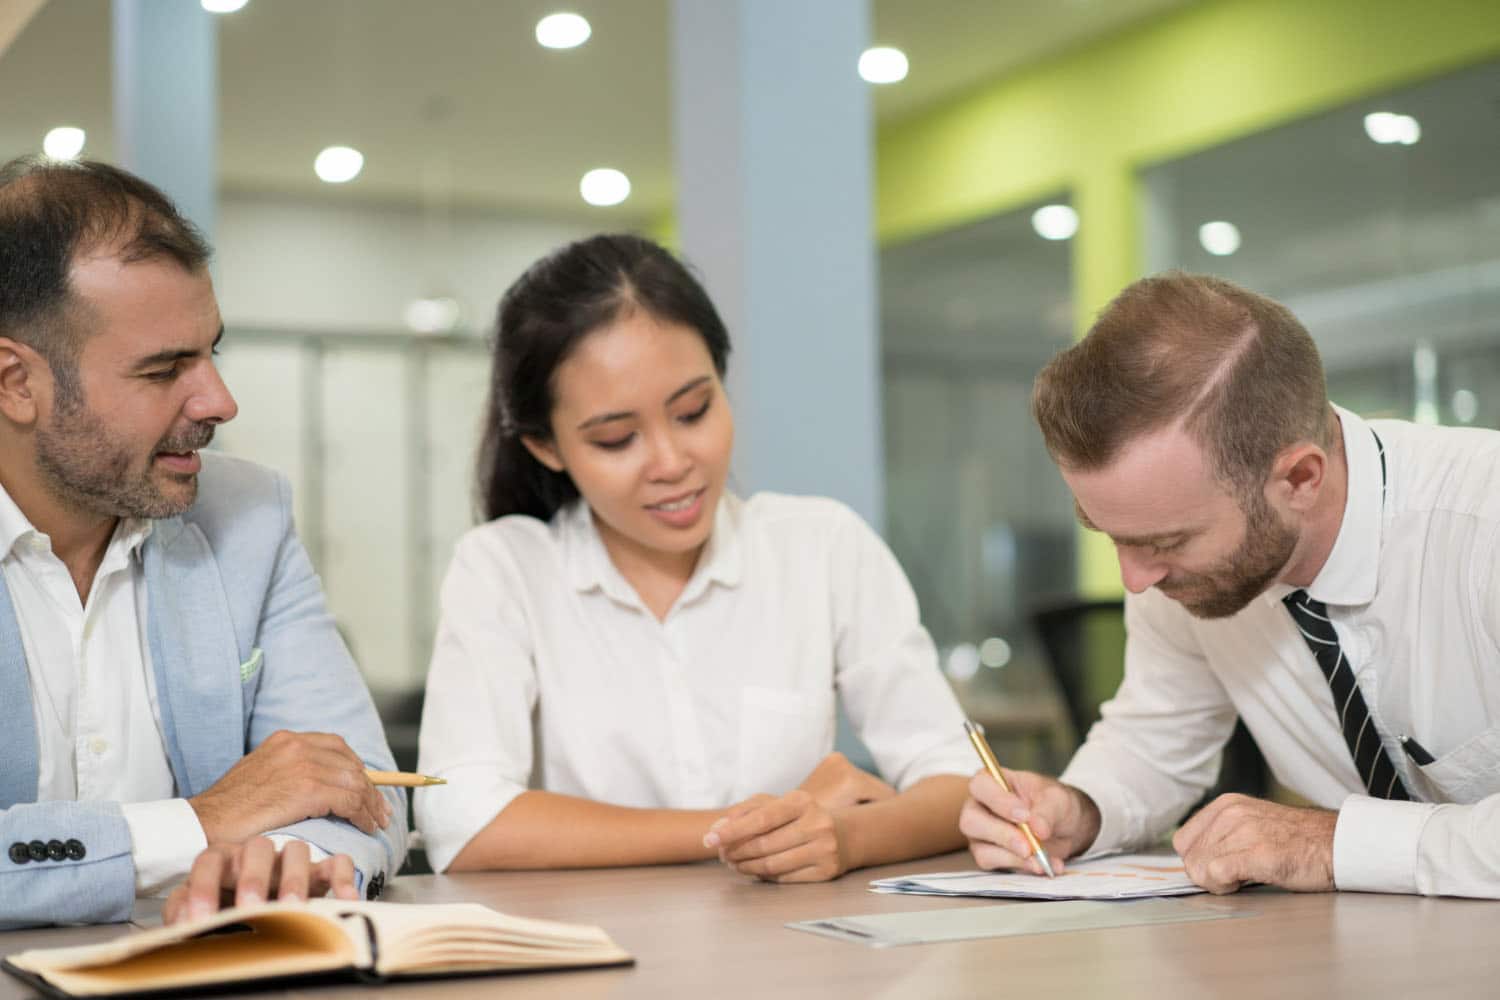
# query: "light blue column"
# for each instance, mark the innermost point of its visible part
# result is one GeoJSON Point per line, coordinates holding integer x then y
{"type": "Point", "coordinates": [774, 149]}
{"type": "Point", "coordinates": [166, 91]}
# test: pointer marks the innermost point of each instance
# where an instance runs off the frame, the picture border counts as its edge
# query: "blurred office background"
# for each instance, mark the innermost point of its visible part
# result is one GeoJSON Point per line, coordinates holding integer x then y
{"type": "Point", "coordinates": [1037, 156]}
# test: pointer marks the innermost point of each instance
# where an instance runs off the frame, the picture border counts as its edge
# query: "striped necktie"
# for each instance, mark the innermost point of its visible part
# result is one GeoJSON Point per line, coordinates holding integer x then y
{"type": "Point", "coordinates": [1370, 759]}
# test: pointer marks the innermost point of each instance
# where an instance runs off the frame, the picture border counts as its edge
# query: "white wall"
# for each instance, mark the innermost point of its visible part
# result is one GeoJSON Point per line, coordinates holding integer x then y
{"type": "Point", "coordinates": [335, 265]}
{"type": "Point", "coordinates": [377, 431]}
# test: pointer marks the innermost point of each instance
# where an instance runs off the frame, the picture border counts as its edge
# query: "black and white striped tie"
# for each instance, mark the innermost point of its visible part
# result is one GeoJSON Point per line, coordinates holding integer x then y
{"type": "Point", "coordinates": [1370, 760]}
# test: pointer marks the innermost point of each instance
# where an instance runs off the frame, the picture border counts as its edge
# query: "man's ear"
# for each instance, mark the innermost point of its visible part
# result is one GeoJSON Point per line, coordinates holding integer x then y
{"type": "Point", "coordinates": [1297, 476]}
{"type": "Point", "coordinates": [23, 373]}
{"type": "Point", "coordinates": [544, 450]}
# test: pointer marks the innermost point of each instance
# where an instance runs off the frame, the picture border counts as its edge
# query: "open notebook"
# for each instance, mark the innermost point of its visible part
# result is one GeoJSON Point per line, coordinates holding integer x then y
{"type": "Point", "coordinates": [1124, 876]}
{"type": "Point", "coordinates": [320, 940]}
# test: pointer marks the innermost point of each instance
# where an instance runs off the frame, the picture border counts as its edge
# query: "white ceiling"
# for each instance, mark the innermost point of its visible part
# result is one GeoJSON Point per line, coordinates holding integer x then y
{"type": "Point", "coordinates": [453, 99]}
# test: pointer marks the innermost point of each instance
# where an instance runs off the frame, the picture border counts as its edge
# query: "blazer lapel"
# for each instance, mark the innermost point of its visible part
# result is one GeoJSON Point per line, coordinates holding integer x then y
{"type": "Point", "coordinates": [18, 775]}
{"type": "Point", "coordinates": [194, 655]}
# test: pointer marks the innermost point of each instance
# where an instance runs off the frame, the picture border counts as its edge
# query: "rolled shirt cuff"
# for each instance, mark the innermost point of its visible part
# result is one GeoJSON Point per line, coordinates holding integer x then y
{"type": "Point", "coordinates": [315, 852]}
{"type": "Point", "coordinates": [1375, 844]}
{"type": "Point", "coordinates": [165, 837]}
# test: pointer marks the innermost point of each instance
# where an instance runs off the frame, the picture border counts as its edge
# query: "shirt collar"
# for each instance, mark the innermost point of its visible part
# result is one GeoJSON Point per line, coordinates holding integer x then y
{"type": "Point", "coordinates": [1348, 577]}
{"type": "Point", "coordinates": [14, 525]}
{"type": "Point", "coordinates": [129, 535]}
{"type": "Point", "coordinates": [589, 567]}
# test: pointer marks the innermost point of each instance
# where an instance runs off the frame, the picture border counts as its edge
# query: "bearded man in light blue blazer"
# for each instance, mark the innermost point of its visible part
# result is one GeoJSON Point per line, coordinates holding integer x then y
{"type": "Point", "coordinates": [174, 697]}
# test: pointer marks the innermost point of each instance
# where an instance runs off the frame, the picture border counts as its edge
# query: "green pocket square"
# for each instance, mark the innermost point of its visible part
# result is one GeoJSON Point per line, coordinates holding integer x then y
{"type": "Point", "coordinates": [250, 666]}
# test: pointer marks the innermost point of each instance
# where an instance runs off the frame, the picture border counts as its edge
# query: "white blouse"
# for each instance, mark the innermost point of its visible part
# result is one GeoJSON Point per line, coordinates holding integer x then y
{"type": "Point", "coordinates": [549, 672]}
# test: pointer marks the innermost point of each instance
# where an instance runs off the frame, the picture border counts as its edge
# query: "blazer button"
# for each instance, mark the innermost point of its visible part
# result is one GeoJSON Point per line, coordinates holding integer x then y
{"type": "Point", "coordinates": [37, 850]}
{"type": "Point", "coordinates": [19, 854]}
{"type": "Point", "coordinates": [75, 850]}
{"type": "Point", "coordinates": [55, 850]}
{"type": "Point", "coordinates": [376, 887]}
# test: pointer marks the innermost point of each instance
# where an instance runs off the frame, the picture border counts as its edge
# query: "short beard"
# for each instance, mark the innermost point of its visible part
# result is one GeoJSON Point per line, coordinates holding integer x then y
{"type": "Point", "coordinates": [87, 469]}
{"type": "Point", "coordinates": [1246, 572]}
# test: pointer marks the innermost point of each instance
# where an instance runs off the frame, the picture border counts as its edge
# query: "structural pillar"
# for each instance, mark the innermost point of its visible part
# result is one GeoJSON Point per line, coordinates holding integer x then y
{"type": "Point", "coordinates": [166, 98]}
{"type": "Point", "coordinates": [774, 150]}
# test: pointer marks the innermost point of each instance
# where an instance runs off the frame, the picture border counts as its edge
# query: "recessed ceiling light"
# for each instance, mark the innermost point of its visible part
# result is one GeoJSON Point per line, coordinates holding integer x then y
{"type": "Point", "coordinates": [1388, 128]}
{"type": "Point", "coordinates": [338, 164]}
{"type": "Point", "coordinates": [1219, 238]}
{"type": "Point", "coordinates": [222, 6]}
{"type": "Point", "coordinates": [1055, 222]}
{"type": "Point", "coordinates": [436, 315]}
{"type": "Point", "coordinates": [64, 142]}
{"type": "Point", "coordinates": [562, 31]}
{"type": "Point", "coordinates": [883, 64]}
{"type": "Point", "coordinates": [604, 186]}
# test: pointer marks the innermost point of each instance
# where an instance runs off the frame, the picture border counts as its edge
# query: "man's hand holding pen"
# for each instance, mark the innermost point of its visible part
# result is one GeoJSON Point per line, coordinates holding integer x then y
{"type": "Point", "coordinates": [1064, 819]}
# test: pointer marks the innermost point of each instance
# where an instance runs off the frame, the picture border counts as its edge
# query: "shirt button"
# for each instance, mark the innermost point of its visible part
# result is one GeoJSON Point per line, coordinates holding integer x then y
{"type": "Point", "coordinates": [98, 745]}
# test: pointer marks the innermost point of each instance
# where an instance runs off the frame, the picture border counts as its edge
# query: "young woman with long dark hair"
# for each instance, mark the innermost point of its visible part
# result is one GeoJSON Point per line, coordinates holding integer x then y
{"type": "Point", "coordinates": [636, 666]}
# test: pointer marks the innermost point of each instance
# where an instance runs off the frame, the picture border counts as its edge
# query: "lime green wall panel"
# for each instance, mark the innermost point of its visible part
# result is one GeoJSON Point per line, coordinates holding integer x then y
{"type": "Point", "coordinates": [1084, 124]}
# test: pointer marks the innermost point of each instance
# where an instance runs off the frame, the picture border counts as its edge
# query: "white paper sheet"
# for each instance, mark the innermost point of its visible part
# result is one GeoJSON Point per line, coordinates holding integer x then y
{"type": "Point", "coordinates": [962, 923]}
{"type": "Point", "coordinates": [1124, 876]}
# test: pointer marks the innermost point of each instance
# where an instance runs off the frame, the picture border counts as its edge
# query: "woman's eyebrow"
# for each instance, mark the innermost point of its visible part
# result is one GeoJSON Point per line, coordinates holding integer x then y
{"type": "Point", "coordinates": [604, 418]}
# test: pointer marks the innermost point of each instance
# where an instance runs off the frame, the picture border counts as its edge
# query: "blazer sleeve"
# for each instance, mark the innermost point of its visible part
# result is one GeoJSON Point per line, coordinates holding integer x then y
{"type": "Point", "coordinates": [309, 683]}
{"type": "Point", "coordinates": [87, 875]}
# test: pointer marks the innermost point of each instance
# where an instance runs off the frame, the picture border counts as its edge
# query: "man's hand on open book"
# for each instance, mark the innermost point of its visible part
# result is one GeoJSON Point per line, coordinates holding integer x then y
{"type": "Point", "coordinates": [288, 778]}
{"type": "Point", "coordinates": [253, 872]}
{"type": "Point", "coordinates": [793, 838]}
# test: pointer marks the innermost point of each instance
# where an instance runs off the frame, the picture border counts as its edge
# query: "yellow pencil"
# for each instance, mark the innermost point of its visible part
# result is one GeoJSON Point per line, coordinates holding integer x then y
{"type": "Point", "coordinates": [987, 756]}
{"type": "Point", "coordinates": [403, 779]}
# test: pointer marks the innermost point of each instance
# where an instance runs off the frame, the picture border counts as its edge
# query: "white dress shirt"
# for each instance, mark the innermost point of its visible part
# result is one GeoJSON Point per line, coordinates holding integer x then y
{"type": "Point", "coordinates": [93, 694]}
{"type": "Point", "coordinates": [549, 672]}
{"type": "Point", "coordinates": [1412, 586]}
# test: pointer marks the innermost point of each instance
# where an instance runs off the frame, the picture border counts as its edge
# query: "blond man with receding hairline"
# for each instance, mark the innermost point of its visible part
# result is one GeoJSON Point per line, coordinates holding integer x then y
{"type": "Point", "coordinates": [1332, 581]}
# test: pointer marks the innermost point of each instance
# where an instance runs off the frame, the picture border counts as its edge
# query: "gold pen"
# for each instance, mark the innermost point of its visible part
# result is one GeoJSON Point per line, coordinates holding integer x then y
{"type": "Point", "coordinates": [403, 779]}
{"type": "Point", "coordinates": [987, 756]}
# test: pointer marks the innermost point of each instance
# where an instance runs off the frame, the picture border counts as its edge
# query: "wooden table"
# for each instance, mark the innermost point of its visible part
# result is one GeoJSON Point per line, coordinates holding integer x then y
{"type": "Point", "coordinates": [699, 931]}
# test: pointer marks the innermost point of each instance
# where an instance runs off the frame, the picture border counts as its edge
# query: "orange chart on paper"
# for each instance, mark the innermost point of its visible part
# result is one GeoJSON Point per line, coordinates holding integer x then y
{"type": "Point", "coordinates": [1124, 876]}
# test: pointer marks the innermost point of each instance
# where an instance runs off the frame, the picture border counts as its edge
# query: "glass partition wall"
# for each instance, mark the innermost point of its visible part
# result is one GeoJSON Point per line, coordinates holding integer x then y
{"type": "Point", "coordinates": [976, 513]}
{"type": "Point", "coordinates": [378, 434]}
{"type": "Point", "coordinates": [1379, 225]}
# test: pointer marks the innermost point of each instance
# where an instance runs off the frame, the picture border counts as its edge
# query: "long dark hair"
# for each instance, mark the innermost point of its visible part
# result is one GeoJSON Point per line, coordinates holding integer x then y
{"type": "Point", "coordinates": [560, 300]}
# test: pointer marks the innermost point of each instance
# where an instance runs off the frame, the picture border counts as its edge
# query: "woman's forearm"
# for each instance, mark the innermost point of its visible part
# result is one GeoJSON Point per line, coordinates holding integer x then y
{"type": "Point", "coordinates": [919, 822]}
{"type": "Point", "coordinates": [548, 830]}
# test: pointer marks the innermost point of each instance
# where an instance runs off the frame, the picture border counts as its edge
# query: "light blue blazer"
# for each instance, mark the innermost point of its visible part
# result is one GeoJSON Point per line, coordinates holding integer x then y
{"type": "Point", "coordinates": [241, 646]}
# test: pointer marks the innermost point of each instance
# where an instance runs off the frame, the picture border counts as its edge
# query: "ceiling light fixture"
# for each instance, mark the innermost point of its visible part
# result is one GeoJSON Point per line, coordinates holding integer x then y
{"type": "Point", "coordinates": [604, 186]}
{"type": "Point", "coordinates": [434, 315]}
{"type": "Point", "coordinates": [562, 31]}
{"type": "Point", "coordinates": [1055, 222]}
{"type": "Point", "coordinates": [883, 64]}
{"type": "Point", "coordinates": [64, 142]}
{"type": "Point", "coordinates": [1388, 128]}
{"type": "Point", "coordinates": [338, 164]}
{"type": "Point", "coordinates": [222, 6]}
{"type": "Point", "coordinates": [1219, 238]}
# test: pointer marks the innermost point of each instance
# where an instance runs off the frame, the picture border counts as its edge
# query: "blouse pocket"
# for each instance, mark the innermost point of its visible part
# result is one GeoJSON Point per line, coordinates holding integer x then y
{"type": "Point", "coordinates": [784, 733]}
{"type": "Point", "coordinates": [1469, 773]}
